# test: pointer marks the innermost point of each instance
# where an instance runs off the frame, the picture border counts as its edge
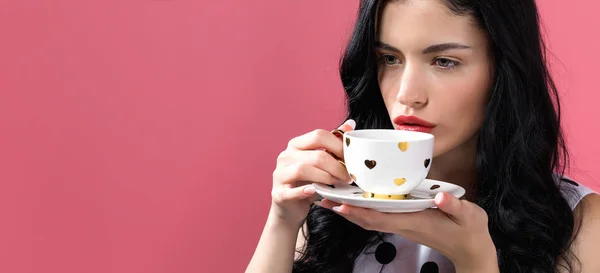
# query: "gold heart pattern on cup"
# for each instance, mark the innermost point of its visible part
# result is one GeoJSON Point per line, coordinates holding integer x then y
{"type": "Point", "coordinates": [347, 142]}
{"type": "Point", "coordinates": [399, 181]}
{"type": "Point", "coordinates": [370, 163]}
{"type": "Point", "coordinates": [403, 146]}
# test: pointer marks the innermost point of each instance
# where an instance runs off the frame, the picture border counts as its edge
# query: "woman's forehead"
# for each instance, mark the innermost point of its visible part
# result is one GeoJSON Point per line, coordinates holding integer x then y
{"type": "Point", "coordinates": [424, 22]}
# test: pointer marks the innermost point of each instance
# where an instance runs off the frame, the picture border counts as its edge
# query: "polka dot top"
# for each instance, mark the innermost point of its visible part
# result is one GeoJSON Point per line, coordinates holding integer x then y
{"type": "Point", "coordinates": [396, 254]}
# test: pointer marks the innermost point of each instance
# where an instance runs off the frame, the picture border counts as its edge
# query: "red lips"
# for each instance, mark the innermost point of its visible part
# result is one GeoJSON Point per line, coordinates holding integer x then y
{"type": "Point", "coordinates": [412, 123]}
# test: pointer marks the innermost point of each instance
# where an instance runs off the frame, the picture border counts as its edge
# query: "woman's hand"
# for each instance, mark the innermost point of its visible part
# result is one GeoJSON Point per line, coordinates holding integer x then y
{"type": "Point", "coordinates": [458, 229]}
{"type": "Point", "coordinates": [307, 159]}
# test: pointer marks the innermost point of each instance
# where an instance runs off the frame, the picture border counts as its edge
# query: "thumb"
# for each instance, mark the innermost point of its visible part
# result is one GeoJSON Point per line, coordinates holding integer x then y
{"type": "Point", "coordinates": [348, 125]}
{"type": "Point", "coordinates": [450, 205]}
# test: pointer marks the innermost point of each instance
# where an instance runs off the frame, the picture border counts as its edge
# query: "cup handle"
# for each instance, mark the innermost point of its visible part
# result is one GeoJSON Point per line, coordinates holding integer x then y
{"type": "Point", "coordinates": [339, 133]}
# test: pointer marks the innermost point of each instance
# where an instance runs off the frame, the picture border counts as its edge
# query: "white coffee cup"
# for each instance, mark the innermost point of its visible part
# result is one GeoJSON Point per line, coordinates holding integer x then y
{"type": "Point", "coordinates": [386, 163]}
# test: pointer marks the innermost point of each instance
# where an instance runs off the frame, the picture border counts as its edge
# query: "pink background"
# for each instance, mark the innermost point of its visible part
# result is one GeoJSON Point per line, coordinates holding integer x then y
{"type": "Point", "coordinates": [140, 136]}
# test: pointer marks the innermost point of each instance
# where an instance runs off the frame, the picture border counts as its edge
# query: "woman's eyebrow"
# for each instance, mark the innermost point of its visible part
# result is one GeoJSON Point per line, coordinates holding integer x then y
{"type": "Point", "coordinates": [430, 49]}
{"type": "Point", "coordinates": [383, 46]}
{"type": "Point", "coordinates": [443, 47]}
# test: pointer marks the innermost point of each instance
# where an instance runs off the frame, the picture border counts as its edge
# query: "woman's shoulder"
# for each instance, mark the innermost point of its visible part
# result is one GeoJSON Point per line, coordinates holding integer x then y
{"type": "Point", "coordinates": [572, 191]}
{"type": "Point", "coordinates": [585, 203]}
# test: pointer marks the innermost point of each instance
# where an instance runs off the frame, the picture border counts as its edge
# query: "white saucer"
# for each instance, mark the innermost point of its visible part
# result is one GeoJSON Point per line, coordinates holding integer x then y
{"type": "Point", "coordinates": [421, 197]}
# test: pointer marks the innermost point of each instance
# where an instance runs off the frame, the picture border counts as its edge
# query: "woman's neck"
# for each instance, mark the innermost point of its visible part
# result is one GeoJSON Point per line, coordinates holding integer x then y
{"type": "Point", "coordinates": [458, 167]}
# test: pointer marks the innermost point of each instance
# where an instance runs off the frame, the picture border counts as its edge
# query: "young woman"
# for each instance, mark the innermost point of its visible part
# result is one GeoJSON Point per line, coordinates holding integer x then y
{"type": "Point", "coordinates": [474, 73]}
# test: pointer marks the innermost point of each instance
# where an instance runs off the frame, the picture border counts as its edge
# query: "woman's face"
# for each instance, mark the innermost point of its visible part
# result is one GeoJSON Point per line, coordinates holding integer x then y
{"type": "Point", "coordinates": [435, 66]}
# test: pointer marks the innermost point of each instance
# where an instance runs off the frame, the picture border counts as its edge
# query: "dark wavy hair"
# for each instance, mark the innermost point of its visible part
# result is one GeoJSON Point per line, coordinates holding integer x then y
{"type": "Point", "coordinates": [520, 148]}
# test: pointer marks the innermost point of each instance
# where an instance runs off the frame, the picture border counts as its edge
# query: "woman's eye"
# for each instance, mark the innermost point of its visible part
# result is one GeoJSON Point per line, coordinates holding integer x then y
{"type": "Point", "coordinates": [389, 59]}
{"type": "Point", "coordinates": [445, 63]}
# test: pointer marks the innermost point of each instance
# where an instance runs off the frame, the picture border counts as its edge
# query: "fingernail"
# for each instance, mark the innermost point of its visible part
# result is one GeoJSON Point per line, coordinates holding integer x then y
{"type": "Point", "coordinates": [337, 209]}
{"type": "Point", "coordinates": [340, 181]}
{"type": "Point", "coordinates": [438, 197]}
{"type": "Point", "coordinates": [351, 122]}
{"type": "Point", "coordinates": [309, 190]}
{"type": "Point", "coordinates": [317, 203]}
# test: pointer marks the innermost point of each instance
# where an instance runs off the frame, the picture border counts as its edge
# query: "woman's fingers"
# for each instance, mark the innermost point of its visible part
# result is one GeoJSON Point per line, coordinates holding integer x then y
{"type": "Point", "coordinates": [348, 125]}
{"type": "Point", "coordinates": [319, 159]}
{"type": "Point", "coordinates": [322, 139]}
{"type": "Point", "coordinates": [461, 211]}
{"type": "Point", "coordinates": [303, 172]}
{"type": "Point", "coordinates": [284, 194]}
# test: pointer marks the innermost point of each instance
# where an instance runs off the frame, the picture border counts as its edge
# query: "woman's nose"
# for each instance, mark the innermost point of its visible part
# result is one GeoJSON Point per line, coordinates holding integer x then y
{"type": "Point", "coordinates": [412, 89]}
